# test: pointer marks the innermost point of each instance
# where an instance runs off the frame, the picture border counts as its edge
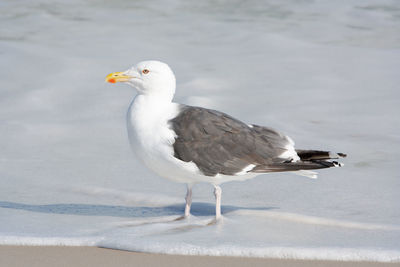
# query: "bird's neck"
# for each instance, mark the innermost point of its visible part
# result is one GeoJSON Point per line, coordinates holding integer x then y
{"type": "Point", "coordinates": [153, 100]}
{"type": "Point", "coordinates": [149, 106]}
{"type": "Point", "coordinates": [162, 94]}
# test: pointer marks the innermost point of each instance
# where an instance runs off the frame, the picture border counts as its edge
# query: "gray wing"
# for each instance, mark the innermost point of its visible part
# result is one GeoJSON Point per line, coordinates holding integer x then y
{"type": "Point", "coordinates": [218, 143]}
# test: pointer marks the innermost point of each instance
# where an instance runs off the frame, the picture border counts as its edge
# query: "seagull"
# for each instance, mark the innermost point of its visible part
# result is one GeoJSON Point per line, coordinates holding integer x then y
{"type": "Point", "coordinates": [188, 144]}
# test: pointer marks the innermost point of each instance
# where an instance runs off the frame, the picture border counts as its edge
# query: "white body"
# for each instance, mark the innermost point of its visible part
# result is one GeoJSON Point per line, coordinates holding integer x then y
{"type": "Point", "coordinates": [151, 139]}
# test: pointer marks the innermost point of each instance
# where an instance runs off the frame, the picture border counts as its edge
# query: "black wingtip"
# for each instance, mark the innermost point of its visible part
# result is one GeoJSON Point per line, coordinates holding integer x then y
{"type": "Point", "coordinates": [342, 155]}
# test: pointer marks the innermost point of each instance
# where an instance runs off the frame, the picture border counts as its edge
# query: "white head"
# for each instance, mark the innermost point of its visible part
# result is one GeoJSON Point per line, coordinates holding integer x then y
{"type": "Point", "coordinates": [152, 77]}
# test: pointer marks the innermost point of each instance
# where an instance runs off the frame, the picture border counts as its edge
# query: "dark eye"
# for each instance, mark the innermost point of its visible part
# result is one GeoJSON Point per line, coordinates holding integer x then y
{"type": "Point", "coordinates": [145, 71]}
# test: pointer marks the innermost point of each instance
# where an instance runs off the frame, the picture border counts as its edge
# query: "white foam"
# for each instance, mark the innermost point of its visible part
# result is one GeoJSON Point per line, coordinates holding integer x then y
{"type": "Point", "coordinates": [333, 253]}
{"type": "Point", "coordinates": [48, 241]}
{"type": "Point", "coordinates": [319, 220]}
{"type": "Point", "coordinates": [309, 174]}
{"type": "Point", "coordinates": [304, 253]}
{"type": "Point", "coordinates": [301, 253]}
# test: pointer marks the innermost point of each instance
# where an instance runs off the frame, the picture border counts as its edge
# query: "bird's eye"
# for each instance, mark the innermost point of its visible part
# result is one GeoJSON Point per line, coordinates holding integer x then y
{"type": "Point", "coordinates": [145, 71]}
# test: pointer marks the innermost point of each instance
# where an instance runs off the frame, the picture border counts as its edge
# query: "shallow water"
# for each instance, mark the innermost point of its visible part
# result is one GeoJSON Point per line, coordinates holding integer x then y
{"type": "Point", "coordinates": [324, 73]}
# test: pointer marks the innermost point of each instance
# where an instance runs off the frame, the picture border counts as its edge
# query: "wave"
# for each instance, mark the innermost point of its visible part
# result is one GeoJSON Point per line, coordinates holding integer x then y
{"type": "Point", "coordinates": [300, 218]}
{"type": "Point", "coordinates": [298, 253]}
{"type": "Point", "coordinates": [301, 253]}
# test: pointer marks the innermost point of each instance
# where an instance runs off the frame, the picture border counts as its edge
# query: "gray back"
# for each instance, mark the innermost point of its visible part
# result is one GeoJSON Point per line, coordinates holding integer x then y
{"type": "Point", "coordinates": [218, 143]}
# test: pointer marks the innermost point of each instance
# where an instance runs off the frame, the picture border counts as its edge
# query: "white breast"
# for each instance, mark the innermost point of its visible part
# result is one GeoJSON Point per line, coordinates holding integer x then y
{"type": "Point", "coordinates": [147, 122]}
{"type": "Point", "coordinates": [152, 139]}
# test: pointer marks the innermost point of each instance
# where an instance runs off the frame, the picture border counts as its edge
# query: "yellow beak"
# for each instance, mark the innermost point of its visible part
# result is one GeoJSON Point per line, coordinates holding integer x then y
{"type": "Point", "coordinates": [117, 77]}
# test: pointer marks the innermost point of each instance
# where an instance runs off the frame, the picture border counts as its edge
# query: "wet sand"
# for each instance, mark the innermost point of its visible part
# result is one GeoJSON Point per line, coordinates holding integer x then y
{"type": "Point", "coordinates": [49, 256]}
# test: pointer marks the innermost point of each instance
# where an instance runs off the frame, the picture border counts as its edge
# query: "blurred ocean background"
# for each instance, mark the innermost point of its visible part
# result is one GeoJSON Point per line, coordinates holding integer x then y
{"type": "Point", "coordinates": [324, 72]}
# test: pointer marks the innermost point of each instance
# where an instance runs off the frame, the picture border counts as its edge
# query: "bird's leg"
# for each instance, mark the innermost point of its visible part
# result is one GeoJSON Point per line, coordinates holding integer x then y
{"type": "Point", "coordinates": [217, 194]}
{"type": "Point", "coordinates": [188, 199]}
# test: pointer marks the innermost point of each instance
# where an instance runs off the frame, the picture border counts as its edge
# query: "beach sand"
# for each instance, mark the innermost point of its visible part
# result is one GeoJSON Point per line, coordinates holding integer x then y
{"type": "Point", "coordinates": [46, 256]}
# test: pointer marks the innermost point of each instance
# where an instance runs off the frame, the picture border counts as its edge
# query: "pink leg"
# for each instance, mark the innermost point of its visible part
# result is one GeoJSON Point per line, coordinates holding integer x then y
{"type": "Point", "coordinates": [188, 199]}
{"type": "Point", "coordinates": [217, 193]}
